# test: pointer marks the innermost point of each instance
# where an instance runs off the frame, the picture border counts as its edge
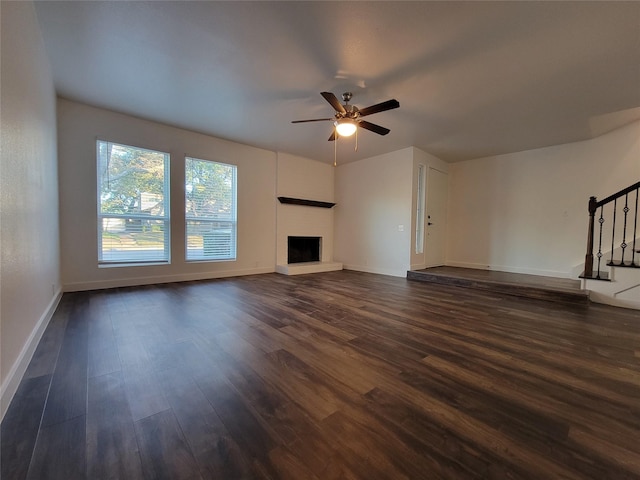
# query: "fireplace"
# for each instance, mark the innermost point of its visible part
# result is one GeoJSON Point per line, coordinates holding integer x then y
{"type": "Point", "coordinates": [303, 249]}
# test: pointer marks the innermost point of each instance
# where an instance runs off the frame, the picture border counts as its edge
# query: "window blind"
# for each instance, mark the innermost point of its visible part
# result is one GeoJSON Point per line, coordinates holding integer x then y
{"type": "Point", "coordinates": [210, 210]}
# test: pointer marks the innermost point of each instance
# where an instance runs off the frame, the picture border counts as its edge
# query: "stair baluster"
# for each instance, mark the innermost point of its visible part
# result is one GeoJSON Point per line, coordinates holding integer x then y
{"type": "Point", "coordinates": [613, 230]}
{"type": "Point", "coordinates": [601, 222]}
{"type": "Point", "coordinates": [593, 207]}
{"type": "Point", "coordinates": [635, 233]}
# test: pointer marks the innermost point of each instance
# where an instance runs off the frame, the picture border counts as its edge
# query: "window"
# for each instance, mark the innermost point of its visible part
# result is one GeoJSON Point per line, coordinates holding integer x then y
{"type": "Point", "coordinates": [133, 204]}
{"type": "Point", "coordinates": [210, 210]}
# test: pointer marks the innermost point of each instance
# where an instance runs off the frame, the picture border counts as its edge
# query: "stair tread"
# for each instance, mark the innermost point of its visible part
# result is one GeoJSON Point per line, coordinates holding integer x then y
{"type": "Point", "coordinates": [603, 276]}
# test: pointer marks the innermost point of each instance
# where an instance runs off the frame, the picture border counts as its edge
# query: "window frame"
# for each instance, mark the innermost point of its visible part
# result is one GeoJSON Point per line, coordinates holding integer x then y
{"type": "Point", "coordinates": [165, 218]}
{"type": "Point", "coordinates": [233, 222]}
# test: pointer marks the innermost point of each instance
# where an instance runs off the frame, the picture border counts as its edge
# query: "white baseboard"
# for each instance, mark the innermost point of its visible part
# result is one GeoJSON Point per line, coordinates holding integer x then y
{"type": "Point", "coordinates": [18, 369]}
{"type": "Point", "coordinates": [510, 269]}
{"type": "Point", "coordinates": [150, 280]}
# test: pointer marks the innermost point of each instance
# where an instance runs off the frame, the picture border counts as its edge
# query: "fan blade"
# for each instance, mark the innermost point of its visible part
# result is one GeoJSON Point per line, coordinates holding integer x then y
{"type": "Point", "coordinates": [333, 100]}
{"type": "Point", "coordinates": [314, 120]}
{"type": "Point", "coordinates": [379, 107]}
{"type": "Point", "coordinates": [333, 136]}
{"type": "Point", "coordinates": [373, 127]}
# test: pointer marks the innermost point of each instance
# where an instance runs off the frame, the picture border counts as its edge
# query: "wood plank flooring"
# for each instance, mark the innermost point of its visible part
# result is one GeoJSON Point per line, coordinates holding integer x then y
{"type": "Point", "coordinates": [338, 375]}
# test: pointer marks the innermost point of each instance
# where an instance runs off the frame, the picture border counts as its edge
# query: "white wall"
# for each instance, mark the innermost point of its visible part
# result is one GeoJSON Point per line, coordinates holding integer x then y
{"type": "Point", "coordinates": [374, 201]}
{"type": "Point", "coordinates": [29, 262]}
{"type": "Point", "coordinates": [80, 125]}
{"type": "Point", "coordinates": [307, 179]}
{"type": "Point", "coordinates": [527, 212]}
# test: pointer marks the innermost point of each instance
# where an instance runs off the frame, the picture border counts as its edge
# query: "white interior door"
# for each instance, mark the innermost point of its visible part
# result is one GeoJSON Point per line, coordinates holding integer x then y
{"type": "Point", "coordinates": [436, 221]}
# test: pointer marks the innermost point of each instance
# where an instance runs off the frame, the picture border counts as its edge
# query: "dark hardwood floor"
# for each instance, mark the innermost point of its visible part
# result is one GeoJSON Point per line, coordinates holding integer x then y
{"type": "Point", "coordinates": [339, 375]}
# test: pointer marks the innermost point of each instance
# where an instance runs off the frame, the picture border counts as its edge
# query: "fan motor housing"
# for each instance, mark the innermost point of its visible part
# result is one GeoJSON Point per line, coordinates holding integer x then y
{"type": "Point", "coordinates": [352, 112]}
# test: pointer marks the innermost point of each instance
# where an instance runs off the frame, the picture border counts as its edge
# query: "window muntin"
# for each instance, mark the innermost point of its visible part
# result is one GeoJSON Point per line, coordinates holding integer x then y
{"type": "Point", "coordinates": [210, 210]}
{"type": "Point", "coordinates": [133, 205]}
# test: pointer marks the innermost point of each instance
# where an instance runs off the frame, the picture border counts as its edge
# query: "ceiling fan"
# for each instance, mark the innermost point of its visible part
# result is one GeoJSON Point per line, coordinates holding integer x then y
{"type": "Point", "coordinates": [348, 117]}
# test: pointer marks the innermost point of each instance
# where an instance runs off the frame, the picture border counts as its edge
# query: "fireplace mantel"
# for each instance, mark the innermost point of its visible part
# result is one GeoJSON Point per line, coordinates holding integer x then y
{"type": "Point", "coordinates": [307, 203]}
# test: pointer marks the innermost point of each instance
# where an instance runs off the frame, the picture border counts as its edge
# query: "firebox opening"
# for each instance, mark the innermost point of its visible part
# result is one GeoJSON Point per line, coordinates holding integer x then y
{"type": "Point", "coordinates": [303, 249]}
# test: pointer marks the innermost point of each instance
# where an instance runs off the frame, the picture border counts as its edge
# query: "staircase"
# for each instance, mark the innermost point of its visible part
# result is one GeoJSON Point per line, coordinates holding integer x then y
{"type": "Point", "coordinates": [612, 262]}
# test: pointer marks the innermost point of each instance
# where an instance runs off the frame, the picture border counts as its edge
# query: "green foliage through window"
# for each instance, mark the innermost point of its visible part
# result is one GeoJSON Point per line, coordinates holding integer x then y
{"type": "Point", "coordinates": [133, 204]}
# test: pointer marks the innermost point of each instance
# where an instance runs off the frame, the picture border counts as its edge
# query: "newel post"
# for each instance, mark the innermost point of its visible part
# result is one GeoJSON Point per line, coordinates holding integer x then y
{"type": "Point", "coordinates": [588, 259]}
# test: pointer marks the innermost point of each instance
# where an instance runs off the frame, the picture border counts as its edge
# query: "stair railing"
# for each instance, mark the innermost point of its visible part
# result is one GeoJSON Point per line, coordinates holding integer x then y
{"type": "Point", "coordinates": [629, 215]}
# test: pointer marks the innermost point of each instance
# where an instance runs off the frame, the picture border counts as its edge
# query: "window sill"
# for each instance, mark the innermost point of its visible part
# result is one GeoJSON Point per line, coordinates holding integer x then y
{"type": "Point", "coordinates": [213, 260]}
{"type": "Point", "coordinates": [131, 264]}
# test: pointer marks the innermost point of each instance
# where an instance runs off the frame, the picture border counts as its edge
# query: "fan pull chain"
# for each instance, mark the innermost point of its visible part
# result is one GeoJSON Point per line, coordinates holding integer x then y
{"type": "Point", "coordinates": [356, 149]}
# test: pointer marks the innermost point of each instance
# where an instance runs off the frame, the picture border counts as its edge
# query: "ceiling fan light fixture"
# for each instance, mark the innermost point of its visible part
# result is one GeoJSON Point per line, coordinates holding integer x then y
{"type": "Point", "coordinates": [345, 127]}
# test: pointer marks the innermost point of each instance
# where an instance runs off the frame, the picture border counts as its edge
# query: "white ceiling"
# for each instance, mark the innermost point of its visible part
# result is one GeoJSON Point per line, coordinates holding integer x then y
{"type": "Point", "coordinates": [473, 78]}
